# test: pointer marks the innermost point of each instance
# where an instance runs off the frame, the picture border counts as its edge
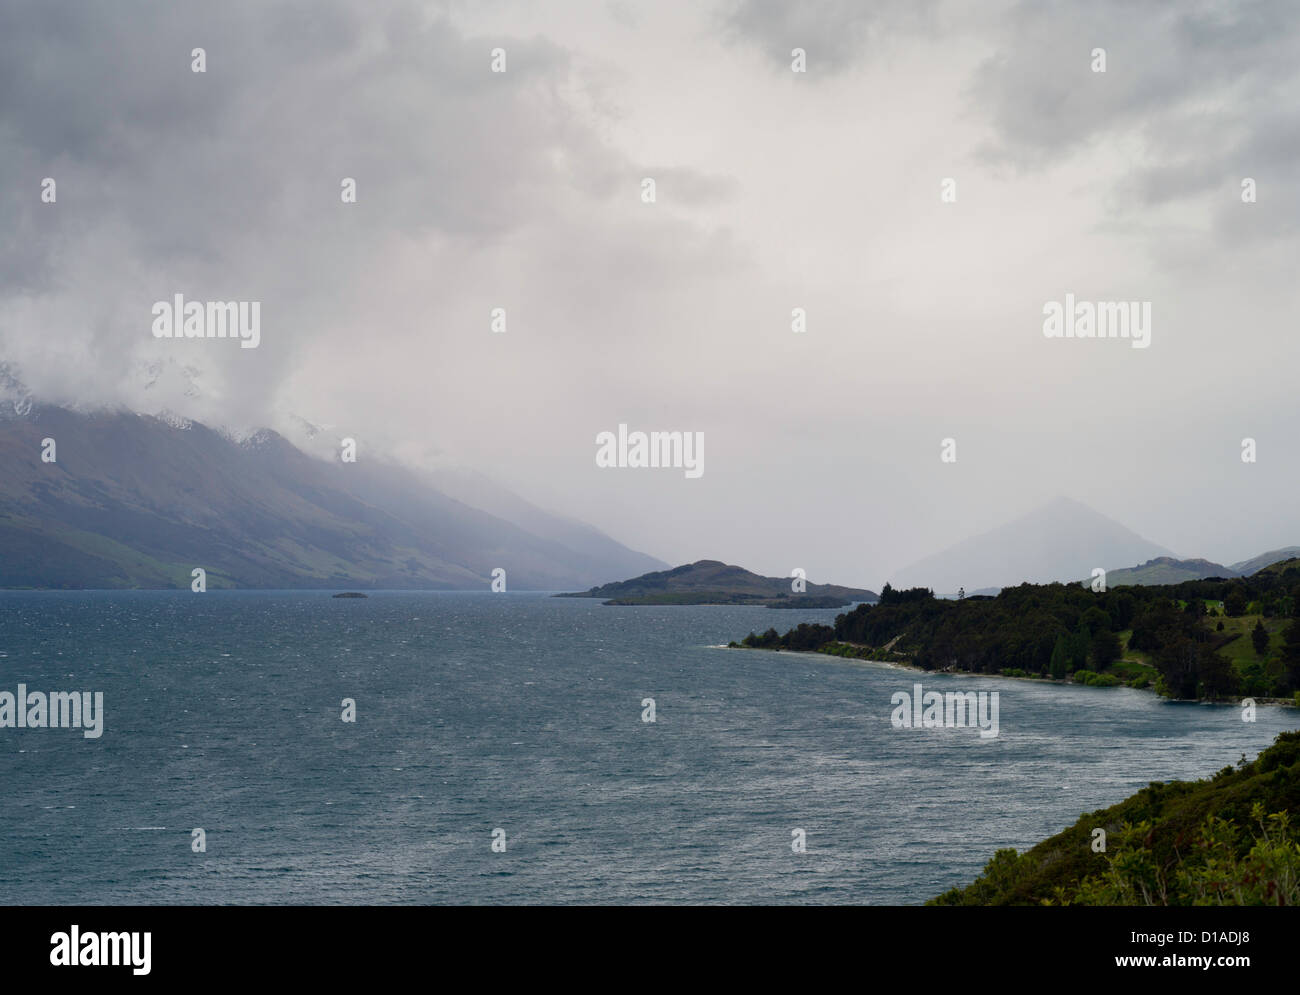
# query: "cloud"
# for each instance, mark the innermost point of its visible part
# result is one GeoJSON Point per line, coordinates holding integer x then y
{"type": "Point", "coordinates": [835, 34]}
{"type": "Point", "coordinates": [521, 190]}
{"type": "Point", "coordinates": [1195, 97]}
{"type": "Point", "coordinates": [225, 185]}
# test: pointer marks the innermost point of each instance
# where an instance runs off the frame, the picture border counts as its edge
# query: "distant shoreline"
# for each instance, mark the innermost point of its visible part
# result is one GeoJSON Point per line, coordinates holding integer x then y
{"type": "Point", "coordinates": [1063, 682]}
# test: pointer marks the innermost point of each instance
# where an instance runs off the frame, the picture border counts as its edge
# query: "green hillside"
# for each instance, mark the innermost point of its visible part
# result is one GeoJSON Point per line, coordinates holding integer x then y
{"type": "Point", "coordinates": [1166, 570]}
{"type": "Point", "coordinates": [1231, 839]}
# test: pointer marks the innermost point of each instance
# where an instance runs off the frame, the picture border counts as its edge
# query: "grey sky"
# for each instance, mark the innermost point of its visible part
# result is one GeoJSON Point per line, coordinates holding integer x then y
{"type": "Point", "coordinates": [775, 190]}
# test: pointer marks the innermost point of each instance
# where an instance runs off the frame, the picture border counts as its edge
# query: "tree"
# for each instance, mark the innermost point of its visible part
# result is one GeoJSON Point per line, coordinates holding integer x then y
{"type": "Point", "coordinates": [1291, 655]}
{"type": "Point", "coordinates": [1215, 676]}
{"type": "Point", "coordinates": [1095, 619]}
{"type": "Point", "coordinates": [1060, 659]}
{"type": "Point", "coordinates": [1076, 648]}
{"type": "Point", "coordinates": [1105, 649]}
{"type": "Point", "coordinates": [1121, 608]}
{"type": "Point", "coordinates": [1259, 638]}
{"type": "Point", "coordinates": [1234, 605]}
{"type": "Point", "coordinates": [1177, 663]}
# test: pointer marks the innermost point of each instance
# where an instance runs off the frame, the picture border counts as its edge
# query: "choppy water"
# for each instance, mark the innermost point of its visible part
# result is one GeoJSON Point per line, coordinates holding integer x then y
{"type": "Point", "coordinates": [523, 712]}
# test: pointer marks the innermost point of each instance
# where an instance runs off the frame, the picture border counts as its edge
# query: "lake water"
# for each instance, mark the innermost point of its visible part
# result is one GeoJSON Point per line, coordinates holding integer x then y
{"type": "Point", "coordinates": [521, 712]}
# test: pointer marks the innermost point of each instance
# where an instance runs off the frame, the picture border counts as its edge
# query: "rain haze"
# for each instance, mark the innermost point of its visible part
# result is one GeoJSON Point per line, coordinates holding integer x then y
{"type": "Point", "coordinates": [935, 176]}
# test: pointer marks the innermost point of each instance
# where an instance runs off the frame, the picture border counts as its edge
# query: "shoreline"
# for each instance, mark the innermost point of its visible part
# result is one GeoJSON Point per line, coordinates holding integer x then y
{"type": "Point", "coordinates": [1064, 682]}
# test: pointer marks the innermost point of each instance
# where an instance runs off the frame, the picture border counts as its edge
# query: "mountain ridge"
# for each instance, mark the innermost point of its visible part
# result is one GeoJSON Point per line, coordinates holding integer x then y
{"type": "Point", "coordinates": [138, 500]}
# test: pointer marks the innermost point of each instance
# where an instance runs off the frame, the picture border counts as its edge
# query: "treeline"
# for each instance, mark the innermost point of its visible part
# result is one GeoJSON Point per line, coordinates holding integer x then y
{"type": "Point", "coordinates": [1060, 630]}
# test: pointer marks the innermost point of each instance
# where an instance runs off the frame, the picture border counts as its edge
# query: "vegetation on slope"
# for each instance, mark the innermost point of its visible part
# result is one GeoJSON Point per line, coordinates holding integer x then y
{"type": "Point", "coordinates": [1207, 639]}
{"type": "Point", "coordinates": [1227, 840]}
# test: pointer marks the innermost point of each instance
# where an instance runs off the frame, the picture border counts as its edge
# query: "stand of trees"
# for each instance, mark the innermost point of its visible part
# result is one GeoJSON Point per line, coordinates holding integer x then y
{"type": "Point", "coordinates": [1054, 630]}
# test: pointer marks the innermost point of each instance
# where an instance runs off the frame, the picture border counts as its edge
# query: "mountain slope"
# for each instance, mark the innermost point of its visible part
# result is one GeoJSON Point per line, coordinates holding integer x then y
{"type": "Point", "coordinates": [1166, 570]}
{"type": "Point", "coordinates": [1279, 567]}
{"type": "Point", "coordinates": [138, 501]}
{"type": "Point", "coordinates": [1257, 563]}
{"type": "Point", "coordinates": [1060, 541]}
{"type": "Point", "coordinates": [603, 555]}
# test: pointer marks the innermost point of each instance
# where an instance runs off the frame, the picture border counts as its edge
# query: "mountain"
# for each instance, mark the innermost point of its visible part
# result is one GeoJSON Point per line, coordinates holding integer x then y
{"type": "Point", "coordinates": [712, 582]}
{"type": "Point", "coordinates": [1256, 563]}
{"type": "Point", "coordinates": [1062, 540]}
{"type": "Point", "coordinates": [139, 501]}
{"type": "Point", "coordinates": [605, 556]}
{"type": "Point", "coordinates": [1280, 568]}
{"type": "Point", "coordinates": [1166, 570]}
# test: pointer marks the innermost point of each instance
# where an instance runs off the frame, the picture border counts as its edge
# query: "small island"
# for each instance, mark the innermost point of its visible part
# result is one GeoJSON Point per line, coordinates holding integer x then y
{"type": "Point", "coordinates": [351, 594]}
{"type": "Point", "coordinates": [712, 582]}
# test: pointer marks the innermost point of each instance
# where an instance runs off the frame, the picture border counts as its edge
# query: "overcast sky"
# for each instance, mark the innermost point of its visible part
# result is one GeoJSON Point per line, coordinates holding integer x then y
{"type": "Point", "coordinates": [774, 190]}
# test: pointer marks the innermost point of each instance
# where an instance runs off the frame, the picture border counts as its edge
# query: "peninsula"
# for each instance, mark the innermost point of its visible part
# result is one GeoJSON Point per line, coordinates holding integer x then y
{"type": "Point", "coordinates": [1215, 639]}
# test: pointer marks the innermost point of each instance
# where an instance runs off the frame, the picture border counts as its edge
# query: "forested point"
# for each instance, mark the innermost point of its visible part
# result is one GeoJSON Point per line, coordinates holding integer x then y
{"type": "Point", "coordinates": [1203, 639]}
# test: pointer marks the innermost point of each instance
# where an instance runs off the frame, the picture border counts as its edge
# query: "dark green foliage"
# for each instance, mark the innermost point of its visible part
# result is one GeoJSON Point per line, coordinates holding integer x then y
{"type": "Point", "coordinates": [1290, 675]}
{"type": "Point", "coordinates": [1259, 638]}
{"type": "Point", "coordinates": [890, 596]}
{"type": "Point", "coordinates": [1225, 840]}
{"type": "Point", "coordinates": [1234, 605]}
{"type": "Point", "coordinates": [1060, 629]}
{"type": "Point", "coordinates": [1059, 665]}
{"type": "Point", "coordinates": [1105, 649]}
{"type": "Point", "coordinates": [1096, 680]}
{"type": "Point", "coordinates": [804, 637]}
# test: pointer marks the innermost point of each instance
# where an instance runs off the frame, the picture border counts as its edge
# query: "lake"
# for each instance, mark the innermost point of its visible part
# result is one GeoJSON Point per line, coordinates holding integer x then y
{"type": "Point", "coordinates": [519, 712]}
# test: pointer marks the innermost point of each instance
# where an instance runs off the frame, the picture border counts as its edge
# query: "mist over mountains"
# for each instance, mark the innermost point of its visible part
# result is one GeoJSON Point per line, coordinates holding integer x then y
{"type": "Point", "coordinates": [140, 499]}
{"type": "Point", "coordinates": [135, 500]}
{"type": "Point", "coordinates": [1065, 540]}
{"type": "Point", "coordinates": [1062, 540]}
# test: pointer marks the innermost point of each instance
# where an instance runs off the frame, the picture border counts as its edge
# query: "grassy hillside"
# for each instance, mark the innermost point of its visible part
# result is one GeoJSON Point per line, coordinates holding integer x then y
{"type": "Point", "coordinates": [1167, 570]}
{"type": "Point", "coordinates": [1257, 563]}
{"type": "Point", "coordinates": [1231, 839]}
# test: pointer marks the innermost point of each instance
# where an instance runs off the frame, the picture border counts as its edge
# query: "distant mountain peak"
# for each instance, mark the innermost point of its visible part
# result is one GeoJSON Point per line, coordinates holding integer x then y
{"type": "Point", "coordinates": [1060, 540]}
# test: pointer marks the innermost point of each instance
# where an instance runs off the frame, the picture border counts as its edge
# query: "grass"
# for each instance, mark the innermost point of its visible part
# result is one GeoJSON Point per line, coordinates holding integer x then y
{"type": "Point", "coordinates": [1132, 656]}
{"type": "Point", "coordinates": [1239, 648]}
